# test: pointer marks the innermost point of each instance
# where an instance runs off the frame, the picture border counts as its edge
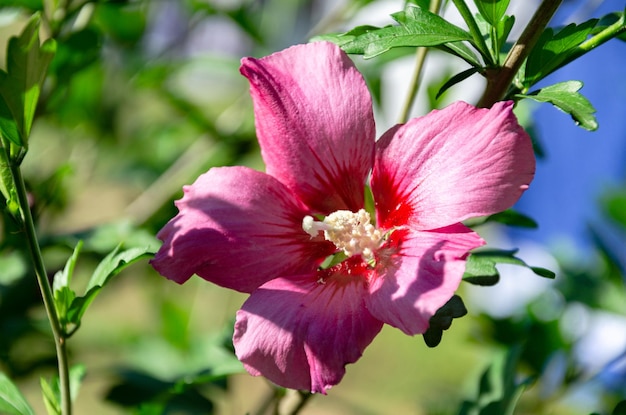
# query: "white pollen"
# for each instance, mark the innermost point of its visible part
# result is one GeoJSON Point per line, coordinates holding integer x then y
{"type": "Point", "coordinates": [350, 232]}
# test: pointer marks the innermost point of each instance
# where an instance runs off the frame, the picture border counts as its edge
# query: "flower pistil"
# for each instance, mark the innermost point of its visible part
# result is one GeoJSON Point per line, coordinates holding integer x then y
{"type": "Point", "coordinates": [351, 232]}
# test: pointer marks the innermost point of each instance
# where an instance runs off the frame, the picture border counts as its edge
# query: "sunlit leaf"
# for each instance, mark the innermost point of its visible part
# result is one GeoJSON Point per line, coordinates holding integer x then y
{"type": "Point", "coordinates": [110, 266]}
{"type": "Point", "coordinates": [341, 39]}
{"type": "Point", "coordinates": [565, 96]}
{"type": "Point", "coordinates": [492, 10]}
{"type": "Point", "coordinates": [417, 27]}
{"type": "Point", "coordinates": [20, 85]}
{"type": "Point", "coordinates": [77, 374]}
{"type": "Point", "coordinates": [480, 268]}
{"type": "Point", "coordinates": [12, 402]}
{"type": "Point", "coordinates": [51, 396]}
{"type": "Point", "coordinates": [52, 392]}
{"type": "Point", "coordinates": [553, 48]}
{"type": "Point", "coordinates": [63, 277]}
{"type": "Point", "coordinates": [462, 51]}
{"type": "Point", "coordinates": [7, 185]}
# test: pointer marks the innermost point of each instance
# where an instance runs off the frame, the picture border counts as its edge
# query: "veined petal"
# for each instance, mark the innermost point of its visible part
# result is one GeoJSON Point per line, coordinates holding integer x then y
{"type": "Point", "coordinates": [314, 123]}
{"type": "Point", "coordinates": [238, 228]}
{"type": "Point", "coordinates": [450, 165]}
{"type": "Point", "coordinates": [417, 274]}
{"type": "Point", "coordinates": [300, 333]}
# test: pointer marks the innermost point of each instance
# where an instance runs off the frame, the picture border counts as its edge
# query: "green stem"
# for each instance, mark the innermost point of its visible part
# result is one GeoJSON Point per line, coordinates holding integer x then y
{"type": "Point", "coordinates": [479, 41]}
{"type": "Point", "coordinates": [420, 59]}
{"type": "Point", "coordinates": [46, 290]}
{"type": "Point", "coordinates": [304, 398]}
{"type": "Point", "coordinates": [499, 80]}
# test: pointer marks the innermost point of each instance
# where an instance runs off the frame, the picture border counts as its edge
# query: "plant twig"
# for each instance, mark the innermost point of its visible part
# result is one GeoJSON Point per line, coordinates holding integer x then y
{"type": "Point", "coordinates": [499, 80]}
{"type": "Point", "coordinates": [304, 398]}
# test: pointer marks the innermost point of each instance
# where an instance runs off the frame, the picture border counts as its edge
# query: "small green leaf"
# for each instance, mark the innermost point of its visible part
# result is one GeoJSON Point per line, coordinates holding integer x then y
{"type": "Point", "coordinates": [51, 397]}
{"type": "Point", "coordinates": [77, 374]}
{"type": "Point", "coordinates": [64, 277]}
{"type": "Point", "coordinates": [565, 96]}
{"type": "Point", "coordinates": [492, 10]}
{"type": "Point", "coordinates": [460, 77]}
{"type": "Point", "coordinates": [110, 266]}
{"type": "Point", "coordinates": [442, 320]}
{"type": "Point", "coordinates": [63, 294]}
{"type": "Point", "coordinates": [513, 218]}
{"type": "Point", "coordinates": [20, 85]}
{"type": "Point", "coordinates": [63, 298]}
{"type": "Point", "coordinates": [12, 402]}
{"type": "Point", "coordinates": [460, 50]}
{"type": "Point", "coordinates": [52, 391]}
{"type": "Point", "coordinates": [543, 272]}
{"type": "Point", "coordinates": [554, 49]}
{"type": "Point", "coordinates": [341, 39]}
{"type": "Point", "coordinates": [115, 262]}
{"type": "Point", "coordinates": [480, 267]}
{"type": "Point", "coordinates": [417, 27]}
{"type": "Point", "coordinates": [7, 185]}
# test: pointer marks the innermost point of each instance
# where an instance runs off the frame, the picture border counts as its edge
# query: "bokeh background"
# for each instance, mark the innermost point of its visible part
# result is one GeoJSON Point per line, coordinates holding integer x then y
{"type": "Point", "coordinates": [145, 95]}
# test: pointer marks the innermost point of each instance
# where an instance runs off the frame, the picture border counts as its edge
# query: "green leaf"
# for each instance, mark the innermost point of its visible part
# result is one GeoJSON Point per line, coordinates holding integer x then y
{"type": "Point", "coordinates": [554, 49]}
{"type": "Point", "coordinates": [77, 374]}
{"type": "Point", "coordinates": [51, 397]}
{"type": "Point", "coordinates": [460, 77]}
{"type": "Point", "coordinates": [459, 49]}
{"type": "Point", "coordinates": [341, 39]}
{"type": "Point", "coordinates": [110, 266]}
{"type": "Point", "coordinates": [496, 33]}
{"type": "Point", "coordinates": [503, 28]}
{"type": "Point", "coordinates": [492, 10]}
{"type": "Point", "coordinates": [442, 320]}
{"type": "Point", "coordinates": [480, 267]}
{"type": "Point", "coordinates": [52, 391]}
{"type": "Point", "coordinates": [12, 402]}
{"type": "Point", "coordinates": [20, 85]}
{"type": "Point", "coordinates": [424, 4]}
{"type": "Point", "coordinates": [63, 278]}
{"type": "Point", "coordinates": [417, 27]}
{"type": "Point", "coordinates": [565, 96]}
{"type": "Point", "coordinates": [513, 218]}
{"type": "Point", "coordinates": [7, 185]}
{"type": "Point", "coordinates": [63, 294]}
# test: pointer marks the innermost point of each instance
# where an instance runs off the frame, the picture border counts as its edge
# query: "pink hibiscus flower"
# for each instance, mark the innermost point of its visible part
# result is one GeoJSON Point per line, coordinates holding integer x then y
{"type": "Point", "coordinates": [271, 234]}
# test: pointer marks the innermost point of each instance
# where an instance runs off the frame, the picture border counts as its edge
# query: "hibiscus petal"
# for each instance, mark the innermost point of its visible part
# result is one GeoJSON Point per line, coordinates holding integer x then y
{"type": "Point", "coordinates": [450, 165]}
{"type": "Point", "coordinates": [314, 123]}
{"type": "Point", "coordinates": [238, 228]}
{"type": "Point", "coordinates": [417, 274]}
{"type": "Point", "coordinates": [300, 333]}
